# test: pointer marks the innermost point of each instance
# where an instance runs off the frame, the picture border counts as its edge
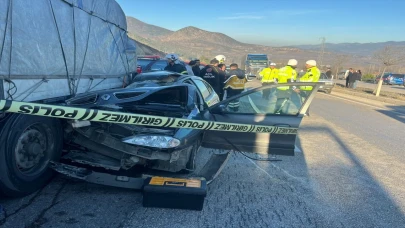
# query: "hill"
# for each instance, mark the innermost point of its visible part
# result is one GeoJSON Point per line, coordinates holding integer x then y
{"type": "Point", "coordinates": [358, 49]}
{"type": "Point", "coordinates": [143, 49]}
{"type": "Point", "coordinates": [191, 42]}
{"type": "Point", "coordinates": [147, 31]}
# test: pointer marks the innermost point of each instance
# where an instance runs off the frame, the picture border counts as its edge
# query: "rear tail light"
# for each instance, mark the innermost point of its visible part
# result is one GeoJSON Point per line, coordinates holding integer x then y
{"type": "Point", "coordinates": [139, 69]}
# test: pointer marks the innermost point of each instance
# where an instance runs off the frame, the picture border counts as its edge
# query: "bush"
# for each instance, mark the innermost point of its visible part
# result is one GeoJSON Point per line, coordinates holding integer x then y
{"type": "Point", "coordinates": [368, 77]}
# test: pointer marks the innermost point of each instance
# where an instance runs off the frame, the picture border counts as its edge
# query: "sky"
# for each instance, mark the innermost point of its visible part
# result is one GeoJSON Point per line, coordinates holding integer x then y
{"type": "Point", "coordinates": [280, 22]}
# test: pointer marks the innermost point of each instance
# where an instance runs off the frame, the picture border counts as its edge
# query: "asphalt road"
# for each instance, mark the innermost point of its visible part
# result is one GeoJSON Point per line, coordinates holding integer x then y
{"type": "Point", "coordinates": [388, 88]}
{"type": "Point", "coordinates": [349, 174]}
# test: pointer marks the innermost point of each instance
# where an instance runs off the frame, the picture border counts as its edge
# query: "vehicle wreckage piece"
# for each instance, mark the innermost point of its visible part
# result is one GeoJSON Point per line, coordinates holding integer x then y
{"type": "Point", "coordinates": [209, 172]}
{"type": "Point", "coordinates": [93, 159]}
{"type": "Point", "coordinates": [98, 177]}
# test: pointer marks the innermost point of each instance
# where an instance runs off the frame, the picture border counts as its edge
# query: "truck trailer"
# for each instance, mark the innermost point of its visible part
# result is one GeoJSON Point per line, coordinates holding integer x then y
{"type": "Point", "coordinates": [52, 51]}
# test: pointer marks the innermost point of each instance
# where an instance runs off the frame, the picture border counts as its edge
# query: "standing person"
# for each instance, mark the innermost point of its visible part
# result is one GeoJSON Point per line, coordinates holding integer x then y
{"type": "Point", "coordinates": [173, 65]}
{"type": "Point", "coordinates": [352, 78]}
{"type": "Point", "coordinates": [220, 58]}
{"type": "Point", "coordinates": [222, 67]}
{"type": "Point", "coordinates": [222, 71]}
{"type": "Point", "coordinates": [269, 77]}
{"type": "Point", "coordinates": [312, 75]}
{"type": "Point", "coordinates": [264, 71]}
{"type": "Point", "coordinates": [347, 76]}
{"type": "Point", "coordinates": [196, 68]}
{"type": "Point", "coordinates": [189, 68]}
{"type": "Point", "coordinates": [210, 73]}
{"type": "Point", "coordinates": [285, 74]}
{"type": "Point", "coordinates": [234, 85]}
{"type": "Point", "coordinates": [357, 78]}
{"type": "Point", "coordinates": [329, 73]}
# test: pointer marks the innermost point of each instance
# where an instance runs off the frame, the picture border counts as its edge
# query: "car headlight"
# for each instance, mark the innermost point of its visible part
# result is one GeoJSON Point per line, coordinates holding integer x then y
{"type": "Point", "coordinates": [157, 141]}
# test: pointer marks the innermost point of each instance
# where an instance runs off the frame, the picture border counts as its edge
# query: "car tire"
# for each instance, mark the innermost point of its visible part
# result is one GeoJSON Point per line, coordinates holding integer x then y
{"type": "Point", "coordinates": [32, 142]}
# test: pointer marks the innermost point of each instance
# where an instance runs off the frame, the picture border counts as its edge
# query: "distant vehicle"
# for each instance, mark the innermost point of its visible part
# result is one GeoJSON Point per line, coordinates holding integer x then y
{"type": "Point", "coordinates": [144, 60]}
{"type": "Point", "coordinates": [254, 62]}
{"type": "Point", "coordinates": [385, 79]}
{"type": "Point", "coordinates": [327, 88]}
{"type": "Point", "coordinates": [395, 79]}
{"type": "Point", "coordinates": [158, 65]}
{"type": "Point", "coordinates": [341, 75]}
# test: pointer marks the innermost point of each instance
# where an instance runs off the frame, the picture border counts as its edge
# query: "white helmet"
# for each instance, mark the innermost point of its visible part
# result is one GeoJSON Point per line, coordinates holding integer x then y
{"type": "Point", "coordinates": [292, 62]}
{"type": "Point", "coordinates": [311, 62]}
{"type": "Point", "coordinates": [220, 58]}
{"type": "Point", "coordinates": [172, 57]}
{"type": "Point", "coordinates": [273, 64]}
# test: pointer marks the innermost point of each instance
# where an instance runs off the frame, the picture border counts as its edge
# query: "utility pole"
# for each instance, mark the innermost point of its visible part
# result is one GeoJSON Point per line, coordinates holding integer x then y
{"type": "Point", "coordinates": [322, 51]}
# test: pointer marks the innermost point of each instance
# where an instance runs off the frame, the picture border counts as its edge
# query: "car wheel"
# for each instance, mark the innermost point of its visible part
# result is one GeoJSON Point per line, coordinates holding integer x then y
{"type": "Point", "coordinates": [32, 142]}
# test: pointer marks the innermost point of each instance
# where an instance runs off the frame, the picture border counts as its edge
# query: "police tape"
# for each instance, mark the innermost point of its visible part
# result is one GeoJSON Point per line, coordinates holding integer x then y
{"type": "Point", "coordinates": [84, 114]}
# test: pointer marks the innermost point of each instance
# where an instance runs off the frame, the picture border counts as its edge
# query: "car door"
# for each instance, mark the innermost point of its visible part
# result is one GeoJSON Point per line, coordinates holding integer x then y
{"type": "Point", "coordinates": [271, 122]}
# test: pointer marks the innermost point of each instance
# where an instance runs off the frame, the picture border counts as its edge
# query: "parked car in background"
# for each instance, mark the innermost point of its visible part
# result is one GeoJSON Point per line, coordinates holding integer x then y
{"type": "Point", "coordinates": [159, 65]}
{"type": "Point", "coordinates": [144, 60]}
{"type": "Point", "coordinates": [395, 79]}
{"type": "Point", "coordinates": [327, 88]}
{"type": "Point", "coordinates": [341, 75]}
{"type": "Point", "coordinates": [385, 79]}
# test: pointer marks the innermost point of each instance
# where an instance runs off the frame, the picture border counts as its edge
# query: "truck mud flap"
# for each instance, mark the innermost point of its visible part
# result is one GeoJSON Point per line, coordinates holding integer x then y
{"type": "Point", "coordinates": [90, 176]}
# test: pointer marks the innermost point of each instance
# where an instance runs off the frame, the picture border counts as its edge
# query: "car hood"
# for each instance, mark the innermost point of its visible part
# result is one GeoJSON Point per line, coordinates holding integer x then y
{"type": "Point", "coordinates": [118, 96]}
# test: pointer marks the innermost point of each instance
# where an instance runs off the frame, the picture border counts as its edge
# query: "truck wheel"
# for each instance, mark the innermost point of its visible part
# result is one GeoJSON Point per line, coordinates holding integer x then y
{"type": "Point", "coordinates": [28, 145]}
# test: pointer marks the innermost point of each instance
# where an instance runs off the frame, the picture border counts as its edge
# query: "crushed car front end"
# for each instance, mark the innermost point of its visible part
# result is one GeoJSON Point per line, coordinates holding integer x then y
{"type": "Point", "coordinates": [96, 150]}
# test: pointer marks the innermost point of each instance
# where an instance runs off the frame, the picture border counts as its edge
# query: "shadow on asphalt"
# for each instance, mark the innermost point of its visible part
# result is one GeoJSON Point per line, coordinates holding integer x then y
{"type": "Point", "coordinates": [396, 114]}
{"type": "Point", "coordinates": [371, 201]}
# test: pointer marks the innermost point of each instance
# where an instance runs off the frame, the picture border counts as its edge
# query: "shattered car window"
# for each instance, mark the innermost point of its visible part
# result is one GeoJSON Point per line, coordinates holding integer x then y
{"type": "Point", "coordinates": [172, 96]}
{"type": "Point", "coordinates": [158, 81]}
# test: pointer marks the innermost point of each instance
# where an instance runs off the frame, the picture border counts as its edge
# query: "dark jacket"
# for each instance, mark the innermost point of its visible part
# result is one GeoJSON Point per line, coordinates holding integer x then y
{"type": "Point", "coordinates": [196, 70]}
{"type": "Point", "coordinates": [211, 74]}
{"type": "Point", "coordinates": [358, 76]}
{"type": "Point", "coordinates": [222, 74]}
{"type": "Point", "coordinates": [353, 77]}
{"type": "Point", "coordinates": [175, 68]}
{"type": "Point", "coordinates": [238, 72]}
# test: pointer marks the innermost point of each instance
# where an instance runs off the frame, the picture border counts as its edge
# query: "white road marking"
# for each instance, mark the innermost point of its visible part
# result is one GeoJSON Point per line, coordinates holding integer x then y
{"type": "Point", "coordinates": [372, 106]}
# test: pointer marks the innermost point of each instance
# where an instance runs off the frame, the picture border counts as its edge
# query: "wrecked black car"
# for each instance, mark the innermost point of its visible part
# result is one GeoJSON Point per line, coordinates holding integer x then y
{"type": "Point", "coordinates": [111, 152]}
{"type": "Point", "coordinates": [125, 146]}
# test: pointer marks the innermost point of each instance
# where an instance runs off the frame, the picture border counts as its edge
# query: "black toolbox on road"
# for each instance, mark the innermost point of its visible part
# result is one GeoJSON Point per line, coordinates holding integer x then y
{"type": "Point", "coordinates": [174, 193]}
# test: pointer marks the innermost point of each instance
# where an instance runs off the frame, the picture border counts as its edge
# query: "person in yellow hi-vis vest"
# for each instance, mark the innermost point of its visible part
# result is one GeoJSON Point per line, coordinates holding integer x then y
{"type": "Point", "coordinates": [285, 75]}
{"type": "Point", "coordinates": [312, 75]}
{"type": "Point", "coordinates": [269, 77]}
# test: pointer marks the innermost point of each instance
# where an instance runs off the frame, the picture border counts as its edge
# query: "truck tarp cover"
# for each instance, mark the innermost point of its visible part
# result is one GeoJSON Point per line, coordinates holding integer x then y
{"type": "Point", "coordinates": [64, 39]}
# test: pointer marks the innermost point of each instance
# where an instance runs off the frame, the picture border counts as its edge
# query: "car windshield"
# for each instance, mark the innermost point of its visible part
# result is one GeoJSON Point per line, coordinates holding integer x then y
{"type": "Point", "coordinates": [397, 75]}
{"type": "Point", "coordinates": [158, 65]}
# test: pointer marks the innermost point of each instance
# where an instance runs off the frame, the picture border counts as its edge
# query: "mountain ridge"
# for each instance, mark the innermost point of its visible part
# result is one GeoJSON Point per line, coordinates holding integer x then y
{"type": "Point", "coordinates": [192, 42]}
